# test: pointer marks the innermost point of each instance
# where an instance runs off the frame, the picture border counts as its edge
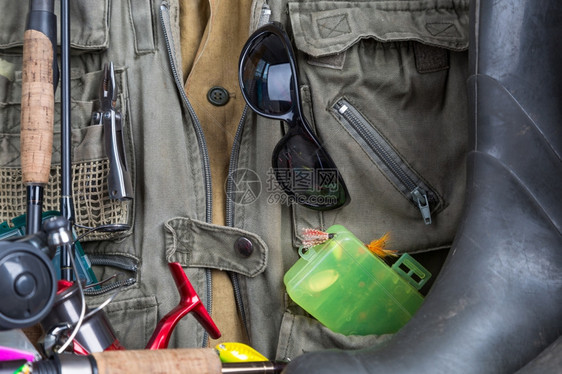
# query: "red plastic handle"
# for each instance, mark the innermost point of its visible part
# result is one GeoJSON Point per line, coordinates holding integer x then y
{"type": "Point", "coordinates": [189, 301]}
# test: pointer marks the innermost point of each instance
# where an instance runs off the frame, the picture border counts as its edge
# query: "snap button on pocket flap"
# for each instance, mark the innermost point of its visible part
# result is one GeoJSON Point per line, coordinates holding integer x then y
{"type": "Point", "coordinates": [324, 28]}
{"type": "Point", "coordinates": [89, 26]}
{"type": "Point", "coordinates": [198, 244]}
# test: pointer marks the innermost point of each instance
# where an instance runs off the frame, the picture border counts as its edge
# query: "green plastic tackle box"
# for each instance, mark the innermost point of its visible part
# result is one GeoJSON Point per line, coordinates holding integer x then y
{"type": "Point", "coordinates": [352, 291]}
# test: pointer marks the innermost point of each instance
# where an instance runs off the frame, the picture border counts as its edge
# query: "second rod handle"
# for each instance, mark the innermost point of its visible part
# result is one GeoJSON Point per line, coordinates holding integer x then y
{"type": "Point", "coordinates": [181, 361]}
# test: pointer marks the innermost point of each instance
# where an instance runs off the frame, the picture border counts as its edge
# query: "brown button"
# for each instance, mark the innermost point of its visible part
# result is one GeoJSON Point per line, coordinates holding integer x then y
{"type": "Point", "coordinates": [244, 247]}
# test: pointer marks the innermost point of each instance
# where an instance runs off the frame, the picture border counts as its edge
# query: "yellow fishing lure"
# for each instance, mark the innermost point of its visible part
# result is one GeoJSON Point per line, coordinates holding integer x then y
{"type": "Point", "coordinates": [238, 352]}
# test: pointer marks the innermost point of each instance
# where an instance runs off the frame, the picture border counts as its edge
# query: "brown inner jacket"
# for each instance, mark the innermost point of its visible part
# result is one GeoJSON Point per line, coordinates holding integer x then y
{"type": "Point", "coordinates": [213, 33]}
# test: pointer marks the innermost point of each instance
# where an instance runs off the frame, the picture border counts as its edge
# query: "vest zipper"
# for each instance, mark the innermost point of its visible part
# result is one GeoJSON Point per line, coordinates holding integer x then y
{"type": "Point", "coordinates": [388, 160]}
{"type": "Point", "coordinates": [110, 287]}
{"type": "Point", "coordinates": [230, 214]}
{"type": "Point", "coordinates": [166, 28]}
{"type": "Point", "coordinates": [265, 15]}
{"type": "Point", "coordinates": [118, 262]}
{"type": "Point", "coordinates": [232, 167]}
{"type": "Point", "coordinates": [165, 21]}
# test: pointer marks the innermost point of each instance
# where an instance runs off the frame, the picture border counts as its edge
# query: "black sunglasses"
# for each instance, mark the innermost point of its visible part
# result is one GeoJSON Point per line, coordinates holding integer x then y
{"type": "Point", "coordinates": [268, 79]}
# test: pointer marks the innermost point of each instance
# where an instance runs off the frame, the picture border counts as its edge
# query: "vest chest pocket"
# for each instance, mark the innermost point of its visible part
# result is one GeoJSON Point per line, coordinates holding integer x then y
{"type": "Point", "coordinates": [388, 101]}
{"type": "Point", "coordinates": [89, 26]}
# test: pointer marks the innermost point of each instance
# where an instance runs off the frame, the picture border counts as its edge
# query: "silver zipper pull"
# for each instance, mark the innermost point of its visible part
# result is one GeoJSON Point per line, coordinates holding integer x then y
{"type": "Point", "coordinates": [264, 15]}
{"type": "Point", "coordinates": [420, 197]}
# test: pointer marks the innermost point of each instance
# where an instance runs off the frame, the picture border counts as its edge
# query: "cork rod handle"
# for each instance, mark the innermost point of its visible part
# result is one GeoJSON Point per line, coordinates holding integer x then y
{"type": "Point", "coordinates": [37, 108]}
{"type": "Point", "coordinates": [181, 361]}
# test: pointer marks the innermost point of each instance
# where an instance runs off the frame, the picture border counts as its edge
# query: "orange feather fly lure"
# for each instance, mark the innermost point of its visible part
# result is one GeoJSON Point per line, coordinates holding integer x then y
{"type": "Point", "coordinates": [377, 247]}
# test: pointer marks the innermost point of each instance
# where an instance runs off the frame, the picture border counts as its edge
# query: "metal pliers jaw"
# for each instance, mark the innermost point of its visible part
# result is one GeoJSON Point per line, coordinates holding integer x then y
{"type": "Point", "coordinates": [108, 89]}
{"type": "Point", "coordinates": [119, 178]}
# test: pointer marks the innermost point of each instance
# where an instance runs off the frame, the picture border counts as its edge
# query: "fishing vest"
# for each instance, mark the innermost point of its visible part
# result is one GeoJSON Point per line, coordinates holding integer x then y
{"type": "Point", "coordinates": [397, 67]}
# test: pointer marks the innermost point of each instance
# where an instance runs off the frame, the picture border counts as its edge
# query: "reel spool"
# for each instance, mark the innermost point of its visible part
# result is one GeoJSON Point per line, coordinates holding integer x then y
{"type": "Point", "coordinates": [28, 284]}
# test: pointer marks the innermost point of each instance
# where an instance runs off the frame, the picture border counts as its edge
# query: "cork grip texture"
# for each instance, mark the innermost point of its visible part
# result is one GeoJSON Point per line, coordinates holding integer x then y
{"type": "Point", "coordinates": [37, 108]}
{"type": "Point", "coordinates": [181, 361]}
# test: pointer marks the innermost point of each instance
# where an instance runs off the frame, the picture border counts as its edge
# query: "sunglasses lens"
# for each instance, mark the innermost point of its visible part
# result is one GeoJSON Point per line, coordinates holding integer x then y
{"type": "Point", "coordinates": [304, 170]}
{"type": "Point", "coordinates": [267, 75]}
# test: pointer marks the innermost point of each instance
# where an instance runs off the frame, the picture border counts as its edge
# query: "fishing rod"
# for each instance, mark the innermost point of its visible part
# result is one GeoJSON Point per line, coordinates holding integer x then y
{"type": "Point", "coordinates": [180, 360]}
{"type": "Point", "coordinates": [66, 203]}
{"type": "Point", "coordinates": [39, 82]}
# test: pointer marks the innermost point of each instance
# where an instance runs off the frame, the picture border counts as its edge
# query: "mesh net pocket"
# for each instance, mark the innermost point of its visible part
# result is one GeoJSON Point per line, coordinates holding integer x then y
{"type": "Point", "coordinates": [90, 195]}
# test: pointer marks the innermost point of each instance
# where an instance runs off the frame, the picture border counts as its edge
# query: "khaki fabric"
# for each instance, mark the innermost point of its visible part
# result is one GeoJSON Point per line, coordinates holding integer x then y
{"type": "Point", "coordinates": [212, 35]}
{"type": "Point", "coordinates": [194, 19]}
{"type": "Point", "coordinates": [216, 64]}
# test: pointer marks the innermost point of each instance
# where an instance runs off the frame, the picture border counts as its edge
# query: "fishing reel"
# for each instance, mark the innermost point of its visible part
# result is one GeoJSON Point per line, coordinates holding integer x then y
{"type": "Point", "coordinates": [27, 278]}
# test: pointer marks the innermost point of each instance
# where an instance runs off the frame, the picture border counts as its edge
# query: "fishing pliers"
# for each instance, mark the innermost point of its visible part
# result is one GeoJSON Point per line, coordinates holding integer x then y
{"type": "Point", "coordinates": [119, 178]}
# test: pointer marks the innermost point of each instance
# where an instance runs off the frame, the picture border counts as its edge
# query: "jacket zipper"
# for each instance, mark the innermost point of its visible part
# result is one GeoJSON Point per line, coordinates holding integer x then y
{"type": "Point", "coordinates": [165, 23]}
{"type": "Point", "coordinates": [384, 155]}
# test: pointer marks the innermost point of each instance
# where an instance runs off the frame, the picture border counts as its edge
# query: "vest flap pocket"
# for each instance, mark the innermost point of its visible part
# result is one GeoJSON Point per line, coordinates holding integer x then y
{"type": "Point", "coordinates": [198, 244]}
{"type": "Point", "coordinates": [89, 24]}
{"type": "Point", "coordinates": [329, 27]}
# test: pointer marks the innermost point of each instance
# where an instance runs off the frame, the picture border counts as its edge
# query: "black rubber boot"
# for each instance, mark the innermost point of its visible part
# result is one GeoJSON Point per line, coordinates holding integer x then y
{"type": "Point", "coordinates": [548, 362]}
{"type": "Point", "coordinates": [498, 300]}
